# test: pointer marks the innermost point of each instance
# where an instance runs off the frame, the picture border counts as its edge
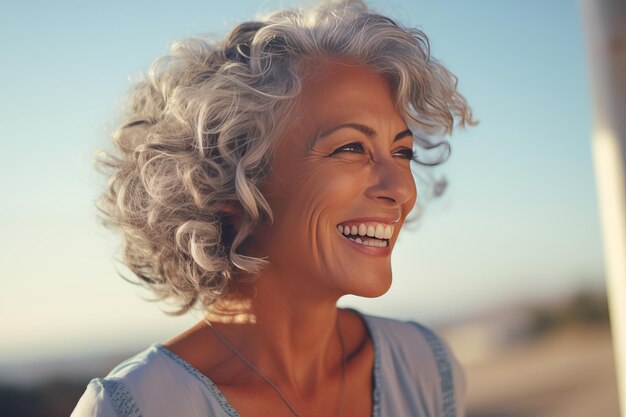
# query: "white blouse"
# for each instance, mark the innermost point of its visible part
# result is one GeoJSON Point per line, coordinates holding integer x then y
{"type": "Point", "coordinates": [415, 374]}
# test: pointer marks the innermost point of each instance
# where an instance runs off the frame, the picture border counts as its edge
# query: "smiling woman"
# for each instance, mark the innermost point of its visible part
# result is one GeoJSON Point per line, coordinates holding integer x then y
{"type": "Point", "coordinates": [355, 173]}
{"type": "Point", "coordinates": [259, 179]}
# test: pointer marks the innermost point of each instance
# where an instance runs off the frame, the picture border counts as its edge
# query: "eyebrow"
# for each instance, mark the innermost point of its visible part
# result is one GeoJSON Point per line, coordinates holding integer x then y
{"type": "Point", "coordinates": [366, 130]}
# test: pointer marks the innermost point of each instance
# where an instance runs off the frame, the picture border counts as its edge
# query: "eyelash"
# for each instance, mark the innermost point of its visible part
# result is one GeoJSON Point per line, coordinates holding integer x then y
{"type": "Point", "coordinates": [350, 145]}
{"type": "Point", "coordinates": [406, 152]}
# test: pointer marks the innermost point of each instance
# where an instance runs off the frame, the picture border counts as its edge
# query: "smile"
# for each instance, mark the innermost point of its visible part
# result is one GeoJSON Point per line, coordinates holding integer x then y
{"type": "Point", "coordinates": [367, 234]}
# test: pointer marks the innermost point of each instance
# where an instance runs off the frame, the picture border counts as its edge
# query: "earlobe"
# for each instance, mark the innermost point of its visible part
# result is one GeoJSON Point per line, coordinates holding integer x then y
{"type": "Point", "coordinates": [231, 213]}
{"type": "Point", "coordinates": [230, 207]}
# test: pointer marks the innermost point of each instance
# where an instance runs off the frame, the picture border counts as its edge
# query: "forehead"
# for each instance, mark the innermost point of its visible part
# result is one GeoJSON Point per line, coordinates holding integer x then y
{"type": "Point", "coordinates": [337, 93]}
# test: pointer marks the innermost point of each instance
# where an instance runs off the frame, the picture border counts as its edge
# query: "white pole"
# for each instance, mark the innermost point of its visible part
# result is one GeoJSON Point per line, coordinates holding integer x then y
{"type": "Point", "coordinates": [605, 29]}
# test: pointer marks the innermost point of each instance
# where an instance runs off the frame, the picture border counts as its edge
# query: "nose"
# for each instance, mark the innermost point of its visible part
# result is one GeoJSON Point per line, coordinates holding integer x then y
{"type": "Point", "coordinates": [392, 183]}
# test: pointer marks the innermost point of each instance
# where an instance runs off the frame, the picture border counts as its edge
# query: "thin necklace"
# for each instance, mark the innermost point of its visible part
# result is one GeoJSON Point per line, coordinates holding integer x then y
{"type": "Point", "coordinates": [269, 381]}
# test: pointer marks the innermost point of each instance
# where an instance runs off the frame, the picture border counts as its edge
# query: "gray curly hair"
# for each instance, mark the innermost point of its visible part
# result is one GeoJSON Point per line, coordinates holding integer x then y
{"type": "Point", "coordinates": [198, 133]}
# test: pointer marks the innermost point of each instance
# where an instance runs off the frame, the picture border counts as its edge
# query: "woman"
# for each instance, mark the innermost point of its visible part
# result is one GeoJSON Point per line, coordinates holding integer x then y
{"type": "Point", "coordinates": [260, 179]}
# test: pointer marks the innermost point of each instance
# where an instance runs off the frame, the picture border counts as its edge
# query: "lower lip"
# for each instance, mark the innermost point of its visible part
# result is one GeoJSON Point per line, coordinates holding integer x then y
{"type": "Point", "coordinates": [370, 250]}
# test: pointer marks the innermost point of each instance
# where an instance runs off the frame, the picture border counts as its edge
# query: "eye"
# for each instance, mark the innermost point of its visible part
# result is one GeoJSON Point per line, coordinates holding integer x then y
{"type": "Point", "coordinates": [356, 147]}
{"type": "Point", "coordinates": [406, 153]}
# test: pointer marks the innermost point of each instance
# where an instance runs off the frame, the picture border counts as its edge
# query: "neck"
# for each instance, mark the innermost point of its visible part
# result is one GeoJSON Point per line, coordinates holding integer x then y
{"type": "Point", "coordinates": [297, 330]}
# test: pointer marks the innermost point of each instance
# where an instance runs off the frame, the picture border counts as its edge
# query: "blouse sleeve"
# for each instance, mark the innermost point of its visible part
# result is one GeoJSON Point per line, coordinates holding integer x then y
{"type": "Point", "coordinates": [95, 402]}
{"type": "Point", "coordinates": [107, 397]}
{"type": "Point", "coordinates": [459, 381]}
{"type": "Point", "coordinates": [451, 376]}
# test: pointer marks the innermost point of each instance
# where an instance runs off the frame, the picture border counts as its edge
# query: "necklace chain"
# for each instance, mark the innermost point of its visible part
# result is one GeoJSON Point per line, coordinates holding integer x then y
{"type": "Point", "coordinates": [269, 381]}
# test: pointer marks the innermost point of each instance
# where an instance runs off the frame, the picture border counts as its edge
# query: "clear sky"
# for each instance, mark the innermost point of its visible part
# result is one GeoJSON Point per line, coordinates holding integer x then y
{"type": "Point", "coordinates": [519, 219]}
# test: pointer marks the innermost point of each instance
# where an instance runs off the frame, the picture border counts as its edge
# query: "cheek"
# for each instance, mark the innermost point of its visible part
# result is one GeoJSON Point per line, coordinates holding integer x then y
{"type": "Point", "coordinates": [309, 203]}
{"type": "Point", "coordinates": [321, 181]}
{"type": "Point", "coordinates": [317, 195]}
{"type": "Point", "coordinates": [413, 199]}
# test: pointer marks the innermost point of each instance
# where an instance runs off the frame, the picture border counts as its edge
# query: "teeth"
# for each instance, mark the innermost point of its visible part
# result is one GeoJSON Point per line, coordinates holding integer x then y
{"type": "Point", "coordinates": [375, 243]}
{"type": "Point", "coordinates": [377, 230]}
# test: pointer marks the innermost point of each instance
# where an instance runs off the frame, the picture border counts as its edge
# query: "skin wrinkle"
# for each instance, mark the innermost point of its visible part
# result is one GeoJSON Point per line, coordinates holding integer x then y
{"type": "Point", "coordinates": [308, 217]}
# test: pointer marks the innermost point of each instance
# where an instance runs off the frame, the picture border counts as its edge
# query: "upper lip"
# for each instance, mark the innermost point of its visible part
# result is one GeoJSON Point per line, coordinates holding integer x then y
{"type": "Point", "coordinates": [387, 220]}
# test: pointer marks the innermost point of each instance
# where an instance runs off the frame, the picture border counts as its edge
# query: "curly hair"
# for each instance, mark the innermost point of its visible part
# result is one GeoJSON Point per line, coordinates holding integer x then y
{"type": "Point", "coordinates": [198, 132]}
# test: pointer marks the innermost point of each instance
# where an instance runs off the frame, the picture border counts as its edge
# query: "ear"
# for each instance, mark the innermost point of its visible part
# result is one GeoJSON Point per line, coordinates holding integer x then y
{"type": "Point", "coordinates": [231, 213]}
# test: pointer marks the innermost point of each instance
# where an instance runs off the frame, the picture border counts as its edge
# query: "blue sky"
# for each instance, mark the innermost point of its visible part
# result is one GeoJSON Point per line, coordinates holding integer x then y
{"type": "Point", "coordinates": [519, 220]}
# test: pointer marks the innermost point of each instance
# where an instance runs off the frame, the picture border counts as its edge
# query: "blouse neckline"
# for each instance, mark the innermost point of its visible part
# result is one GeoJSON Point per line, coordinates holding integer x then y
{"type": "Point", "coordinates": [232, 412]}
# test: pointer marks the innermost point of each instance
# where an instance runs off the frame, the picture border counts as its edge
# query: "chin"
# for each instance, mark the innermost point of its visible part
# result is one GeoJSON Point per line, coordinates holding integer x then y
{"type": "Point", "coordinates": [372, 286]}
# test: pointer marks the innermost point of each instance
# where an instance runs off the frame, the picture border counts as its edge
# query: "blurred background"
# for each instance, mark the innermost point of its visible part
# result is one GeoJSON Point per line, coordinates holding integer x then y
{"type": "Point", "coordinates": [507, 265]}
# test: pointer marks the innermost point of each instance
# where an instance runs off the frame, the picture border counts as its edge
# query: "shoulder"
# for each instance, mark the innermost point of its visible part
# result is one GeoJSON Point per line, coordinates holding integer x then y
{"type": "Point", "coordinates": [95, 402]}
{"type": "Point", "coordinates": [411, 340]}
{"type": "Point", "coordinates": [404, 334]}
{"type": "Point", "coordinates": [410, 350]}
{"type": "Point", "coordinates": [148, 383]}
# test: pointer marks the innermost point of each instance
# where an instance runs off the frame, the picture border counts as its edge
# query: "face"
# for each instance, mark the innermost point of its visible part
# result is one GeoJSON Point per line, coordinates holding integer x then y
{"type": "Point", "coordinates": [342, 167]}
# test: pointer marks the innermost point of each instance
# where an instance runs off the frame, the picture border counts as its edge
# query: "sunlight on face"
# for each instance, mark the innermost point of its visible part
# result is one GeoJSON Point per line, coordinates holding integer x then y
{"type": "Point", "coordinates": [343, 162]}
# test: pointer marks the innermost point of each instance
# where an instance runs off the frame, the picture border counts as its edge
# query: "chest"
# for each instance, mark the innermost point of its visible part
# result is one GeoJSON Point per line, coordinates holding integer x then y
{"type": "Point", "coordinates": [353, 396]}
